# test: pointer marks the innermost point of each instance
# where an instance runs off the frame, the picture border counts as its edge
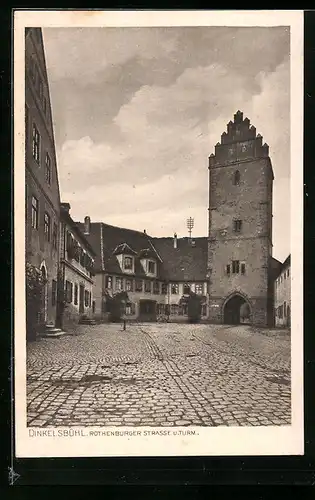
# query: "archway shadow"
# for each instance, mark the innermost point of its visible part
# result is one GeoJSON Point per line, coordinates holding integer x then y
{"type": "Point", "coordinates": [236, 311]}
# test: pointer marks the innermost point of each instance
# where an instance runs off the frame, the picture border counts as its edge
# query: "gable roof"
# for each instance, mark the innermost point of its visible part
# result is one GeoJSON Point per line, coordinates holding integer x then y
{"type": "Point", "coordinates": [184, 263]}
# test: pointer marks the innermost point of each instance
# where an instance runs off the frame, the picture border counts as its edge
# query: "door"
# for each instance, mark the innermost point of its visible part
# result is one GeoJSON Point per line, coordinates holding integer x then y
{"type": "Point", "coordinates": [81, 299]}
{"type": "Point", "coordinates": [148, 310]}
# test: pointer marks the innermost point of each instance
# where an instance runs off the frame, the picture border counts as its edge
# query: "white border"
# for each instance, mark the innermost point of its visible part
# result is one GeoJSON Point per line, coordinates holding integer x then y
{"type": "Point", "coordinates": [219, 441]}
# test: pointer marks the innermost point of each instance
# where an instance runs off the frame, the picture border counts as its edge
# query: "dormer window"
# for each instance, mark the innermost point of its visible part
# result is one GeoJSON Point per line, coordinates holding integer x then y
{"type": "Point", "coordinates": [128, 263]}
{"type": "Point", "coordinates": [151, 267]}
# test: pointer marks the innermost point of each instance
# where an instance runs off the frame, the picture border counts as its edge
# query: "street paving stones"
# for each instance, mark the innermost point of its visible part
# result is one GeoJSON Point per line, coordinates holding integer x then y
{"type": "Point", "coordinates": [160, 375]}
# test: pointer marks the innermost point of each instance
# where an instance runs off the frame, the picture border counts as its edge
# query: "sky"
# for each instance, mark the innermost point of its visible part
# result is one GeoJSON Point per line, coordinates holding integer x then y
{"type": "Point", "coordinates": [138, 111]}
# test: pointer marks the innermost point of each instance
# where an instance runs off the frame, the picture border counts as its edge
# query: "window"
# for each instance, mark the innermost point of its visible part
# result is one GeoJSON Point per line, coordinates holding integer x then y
{"type": "Point", "coordinates": [47, 226]}
{"type": "Point", "coordinates": [93, 306]}
{"type": "Point", "coordinates": [147, 286]}
{"type": "Point", "coordinates": [235, 266]}
{"type": "Point", "coordinates": [228, 269]}
{"type": "Point", "coordinates": [156, 287]}
{"type": "Point", "coordinates": [199, 288]}
{"type": "Point", "coordinates": [288, 272]}
{"type": "Point", "coordinates": [48, 169]}
{"type": "Point", "coordinates": [34, 212]}
{"type": "Point", "coordinates": [280, 312]}
{"type": "Point", "coordinates": [174, 288]}
{"type": "Point", "coordinates": [151, 267]}
{"type": "Point", "coordinates": [161, 308]}
{"type": "Point", "coordinates": [36, 144]}
{"type": "Point", "coordinates": [236, 178]}
{"type": "Point", "coordinates": [118, 284]}
{"type": "Point", "coordinates": [86, 298]}
{"type": "Point", "coordinates": [184, 310]}
{"type": "Point", "coordinates": [237, 226]}
{"type": "Point", "coordinates": [90, 299]}
{"type": "Point", "coordinates": [53, 292]}
{"type": "Point", "coordinates": [129, 285]}
{"type": "Point", "coordinates": [174, 308]}
{"type": "Point", "coordinates": [284, 309]}
{"type": "Point", "coordinates": [138, 285]}
{"type": "Point", "coordinates": [76, 294]}
{"type": "Point", "coordinates": [164, 288]}
{"type": "Point", "coordinates": [186, 289]}
{"type": "Point", "coordinates": [128, 263]}
{"type": "Point", "coordinates": [109, 282]}
{"type": "Point", "coordinates": [204, 310]}
{"type": "Point", "coordinates": [243, 268]}
{"type": "Point", "coordinates": [54, 236]}
{"type": "Point", "coordinates": [69, 289]}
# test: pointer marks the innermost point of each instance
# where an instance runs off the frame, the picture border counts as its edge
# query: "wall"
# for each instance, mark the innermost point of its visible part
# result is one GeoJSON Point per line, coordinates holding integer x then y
{"type": "Point", "coordinates": [282, 290]}
{"type": "Point", "coordinates": [136, 296]}
{"type": "Point", "coordinates": [72, 314]}
{"type": "Point", "coordinates": [38, 250]}
{"type": "Point", "coordinates": [250, 202]}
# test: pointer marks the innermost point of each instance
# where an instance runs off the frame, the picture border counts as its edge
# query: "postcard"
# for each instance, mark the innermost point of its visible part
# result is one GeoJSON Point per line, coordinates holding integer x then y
{"type": "Point", "coordinates": [158, 212]}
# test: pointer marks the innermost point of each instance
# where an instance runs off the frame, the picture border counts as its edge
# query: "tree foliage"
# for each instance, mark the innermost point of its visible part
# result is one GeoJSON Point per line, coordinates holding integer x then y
{"type": "Point", "coordinates": [35, 284]}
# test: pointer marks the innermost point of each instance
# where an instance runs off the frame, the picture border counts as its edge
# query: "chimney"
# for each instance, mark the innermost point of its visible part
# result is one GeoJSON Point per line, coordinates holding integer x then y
{"type": "Point", "coordinates": [175, 240]}
{"type": "Point", "coordinates": [87, 224]}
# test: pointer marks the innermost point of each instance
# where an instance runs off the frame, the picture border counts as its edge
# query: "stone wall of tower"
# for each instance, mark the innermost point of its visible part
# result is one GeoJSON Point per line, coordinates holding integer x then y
{"type": "Point", "coordinates": [250, 201]}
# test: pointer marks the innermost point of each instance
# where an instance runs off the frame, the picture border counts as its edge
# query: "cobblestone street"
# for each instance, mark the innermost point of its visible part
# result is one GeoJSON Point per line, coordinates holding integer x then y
{"type": "Point", "coordinates": [160, 375]}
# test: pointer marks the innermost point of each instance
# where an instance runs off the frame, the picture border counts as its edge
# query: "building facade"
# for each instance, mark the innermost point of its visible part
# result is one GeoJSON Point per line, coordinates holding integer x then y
{"type": "Point", "coordinates": [283, 295]}
{"type": "Point", "coordinates": [240, 227]}
{"type": "Point", "coordinates": [41, 177]}
{"type": "Point", "coordinates": [76, 273]}
{"type": "Point", "coordinates": [155, 274]}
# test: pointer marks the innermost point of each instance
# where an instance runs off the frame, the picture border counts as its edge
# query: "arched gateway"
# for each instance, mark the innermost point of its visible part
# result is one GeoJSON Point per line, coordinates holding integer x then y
{"type": "Point", "coordinates": [236, 310]}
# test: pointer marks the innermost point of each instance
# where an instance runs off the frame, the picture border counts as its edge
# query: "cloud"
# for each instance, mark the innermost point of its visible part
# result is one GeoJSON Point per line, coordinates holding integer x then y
{"type": "Point", "coordinates": [146, 164]}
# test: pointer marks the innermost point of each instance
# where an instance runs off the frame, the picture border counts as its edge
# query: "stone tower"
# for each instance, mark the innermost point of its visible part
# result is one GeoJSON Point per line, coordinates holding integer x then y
{"type": "Point", "coordinates": [240, 227]}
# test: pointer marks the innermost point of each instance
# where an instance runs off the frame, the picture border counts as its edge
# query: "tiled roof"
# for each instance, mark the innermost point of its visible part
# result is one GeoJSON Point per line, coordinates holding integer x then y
{"type": "Point", "coordinates": [187, 262]}
{"type": "Point", "coordinates": [184, 263]}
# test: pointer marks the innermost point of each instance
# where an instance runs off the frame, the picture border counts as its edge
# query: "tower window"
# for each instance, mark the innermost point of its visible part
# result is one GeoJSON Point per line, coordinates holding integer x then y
{"type": "Point", "coordinates": [228, 269]}
{"type": "Point", "coordinates": [237, 225]}
{"type": "Point", "coordinates": [235, 266]}
{"type": "Point", "coordinates": [243, 269]}
{"type": "Point", "coordinates": [174, 288]}
{"type": "Point", "coordinates": [236, 178]}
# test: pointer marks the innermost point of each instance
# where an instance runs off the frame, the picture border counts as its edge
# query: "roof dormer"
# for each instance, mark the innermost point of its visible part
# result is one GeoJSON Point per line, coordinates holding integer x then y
{"type": "Point", "coordinates": [148, 262]}
{"type": "Point", "coordinates": [126, 258]}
